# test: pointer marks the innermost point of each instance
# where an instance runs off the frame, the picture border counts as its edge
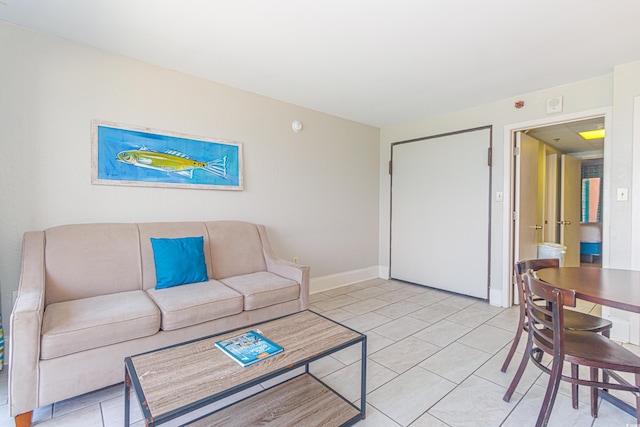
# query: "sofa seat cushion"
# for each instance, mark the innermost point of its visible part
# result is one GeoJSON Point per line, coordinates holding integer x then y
{"type": "Point", "coordinates": [263, 289]}
{"type": "Point", "coordinates": [82, 324]}
{"type": "Point", "coordinates": [195, 303]}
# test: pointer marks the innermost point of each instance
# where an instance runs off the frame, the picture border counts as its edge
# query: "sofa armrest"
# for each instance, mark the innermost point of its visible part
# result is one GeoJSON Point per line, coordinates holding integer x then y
{"type": "Point", "coordinates": [25, 327]}
{"type": "Point", "coordinates": [284, 268]}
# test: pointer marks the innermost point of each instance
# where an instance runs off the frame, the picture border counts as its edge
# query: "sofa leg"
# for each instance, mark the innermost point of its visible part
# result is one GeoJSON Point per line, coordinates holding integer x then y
{"type": "Point", "coordinates": [24, 420]}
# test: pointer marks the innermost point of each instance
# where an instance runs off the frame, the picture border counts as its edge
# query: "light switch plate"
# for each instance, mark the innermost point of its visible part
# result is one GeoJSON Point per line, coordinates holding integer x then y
{"type": "Point", "coordinates": [622, 194]}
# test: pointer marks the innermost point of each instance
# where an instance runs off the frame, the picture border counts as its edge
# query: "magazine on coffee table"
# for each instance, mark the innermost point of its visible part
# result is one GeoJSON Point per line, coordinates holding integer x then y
{"type": "Point", "coordinates": [249, 348]}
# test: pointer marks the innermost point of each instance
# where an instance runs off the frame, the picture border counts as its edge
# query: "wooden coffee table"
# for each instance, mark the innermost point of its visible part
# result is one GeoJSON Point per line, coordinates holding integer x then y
{"type": "Point", "coordinates": [175, 381]}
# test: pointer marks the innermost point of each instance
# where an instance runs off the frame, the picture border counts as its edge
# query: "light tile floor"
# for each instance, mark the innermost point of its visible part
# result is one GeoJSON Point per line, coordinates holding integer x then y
{"type": "Point", "coordinates": [434, 360]}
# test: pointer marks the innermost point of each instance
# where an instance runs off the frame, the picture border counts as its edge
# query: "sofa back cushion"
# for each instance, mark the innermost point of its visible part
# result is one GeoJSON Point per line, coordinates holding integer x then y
{"type": "Point", "coordinates": [87, 260]}
{"type": "Point", "coordinates": [235, 247]}
{"type": "Point", "coordinates": [169, 230]}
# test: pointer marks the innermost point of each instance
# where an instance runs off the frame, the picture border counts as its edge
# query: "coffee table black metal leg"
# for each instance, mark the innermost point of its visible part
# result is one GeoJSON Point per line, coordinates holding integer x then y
{"type": "Point", "coordinates": [363, 374]}
{"type": "Point", "coordinates": [127, 397]}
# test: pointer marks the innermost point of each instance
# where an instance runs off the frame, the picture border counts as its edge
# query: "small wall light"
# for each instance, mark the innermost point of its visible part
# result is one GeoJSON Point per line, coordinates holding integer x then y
{"type": "Point", "coordinates": [296, 126]}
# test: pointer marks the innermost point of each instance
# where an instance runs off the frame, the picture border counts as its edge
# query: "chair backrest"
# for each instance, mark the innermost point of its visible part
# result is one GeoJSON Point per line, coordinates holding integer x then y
{"type": "Point", "coordinates": [546, 321]}
{"type": "Point", "coordinates": [521, 267]}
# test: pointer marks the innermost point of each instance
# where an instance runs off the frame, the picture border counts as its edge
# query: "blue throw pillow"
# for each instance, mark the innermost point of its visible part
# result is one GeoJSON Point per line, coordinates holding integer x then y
{"type": "Point", "coordinates": [179, 261]}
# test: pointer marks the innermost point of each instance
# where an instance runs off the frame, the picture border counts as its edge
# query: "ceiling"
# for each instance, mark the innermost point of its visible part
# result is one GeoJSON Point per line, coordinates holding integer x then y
{"type": "Point", "coordinates": [378, 62]}
{"type": "Point", "coordinates": [565, 137]}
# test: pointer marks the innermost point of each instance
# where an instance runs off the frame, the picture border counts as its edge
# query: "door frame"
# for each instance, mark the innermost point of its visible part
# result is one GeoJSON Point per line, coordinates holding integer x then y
{"type": "Point", "coordinates": [506, 292]}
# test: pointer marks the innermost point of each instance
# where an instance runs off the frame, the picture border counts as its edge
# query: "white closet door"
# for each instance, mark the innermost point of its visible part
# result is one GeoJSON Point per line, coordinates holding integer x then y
{"type": "Point", "coordinates": [440, 212]}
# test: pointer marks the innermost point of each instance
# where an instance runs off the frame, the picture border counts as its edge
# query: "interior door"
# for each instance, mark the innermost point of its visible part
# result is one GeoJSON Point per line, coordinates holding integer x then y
{"type": "Point", "coordinates": [570, 191]}
{"type": "Point", "coordinates": [550, 208]}
{"type": "Point", "coordinates": [440, 212]}
{"type": "Point", "coordinates": [528, 221]}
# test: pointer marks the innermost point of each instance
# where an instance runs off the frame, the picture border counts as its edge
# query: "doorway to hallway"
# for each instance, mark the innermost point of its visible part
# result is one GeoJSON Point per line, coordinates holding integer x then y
{"type": "Point", "coordinates": [561, 210]}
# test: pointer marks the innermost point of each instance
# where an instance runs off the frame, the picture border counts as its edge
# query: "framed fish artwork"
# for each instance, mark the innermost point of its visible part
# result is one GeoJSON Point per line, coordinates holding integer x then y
{"type": "Point", "coordinates": [130, 155]}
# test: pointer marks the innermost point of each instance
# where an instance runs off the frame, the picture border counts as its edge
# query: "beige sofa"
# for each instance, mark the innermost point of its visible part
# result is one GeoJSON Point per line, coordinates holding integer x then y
{"type": "Point", "coordinates": [87, 299]}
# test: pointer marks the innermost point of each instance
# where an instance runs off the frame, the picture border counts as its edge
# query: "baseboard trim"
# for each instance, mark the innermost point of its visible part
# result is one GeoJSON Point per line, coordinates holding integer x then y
{"type": "Point", "coordinates": [332, 281]}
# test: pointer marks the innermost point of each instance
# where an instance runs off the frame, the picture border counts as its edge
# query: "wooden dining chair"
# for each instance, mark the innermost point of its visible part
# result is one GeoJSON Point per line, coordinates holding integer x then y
{"type": "Point", "coordinates": [548, 333]}
{"type": "Point", "coordinates": [574, 320]}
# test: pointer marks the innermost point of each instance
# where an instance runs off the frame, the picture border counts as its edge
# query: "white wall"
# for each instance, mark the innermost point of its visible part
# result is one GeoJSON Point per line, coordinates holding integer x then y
{"type": "Point", "coordinates": [625, 223]}
{"type": "Point", "coordinates": [626, 86]}
{"type": "Point", "coordinates": [316, 191]}
{"type": "Point", "coordinates": [579, 96]}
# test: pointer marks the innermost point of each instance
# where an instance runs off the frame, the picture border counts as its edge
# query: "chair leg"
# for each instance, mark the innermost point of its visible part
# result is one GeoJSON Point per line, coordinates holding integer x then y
{"type": "Point", "coordinates": [520, 371]}
{"type": "Point", "coordinates": [574, 387]}
{"type": "Point", "coordinates": [539, 355]}
{"type": "Point", "coordinates": [637, 399]}
{"type": "Point", "coordinates": [594, 393]}
{"type": "Point", "coordinates": [605, 376]}
{"type": "Point", "coordinates": [514, 345]}
{"type": "Point", "coordinates": [550, 395]}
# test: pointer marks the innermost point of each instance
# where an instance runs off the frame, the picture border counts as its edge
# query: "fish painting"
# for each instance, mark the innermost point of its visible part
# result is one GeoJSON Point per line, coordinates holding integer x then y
{"type": "Point", "coordinates": [172, 161]}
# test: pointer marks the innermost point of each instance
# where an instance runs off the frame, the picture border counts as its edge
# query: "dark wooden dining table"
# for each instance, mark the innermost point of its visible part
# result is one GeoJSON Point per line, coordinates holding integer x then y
{"type": "Point", "coordinates": [605, 286]}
